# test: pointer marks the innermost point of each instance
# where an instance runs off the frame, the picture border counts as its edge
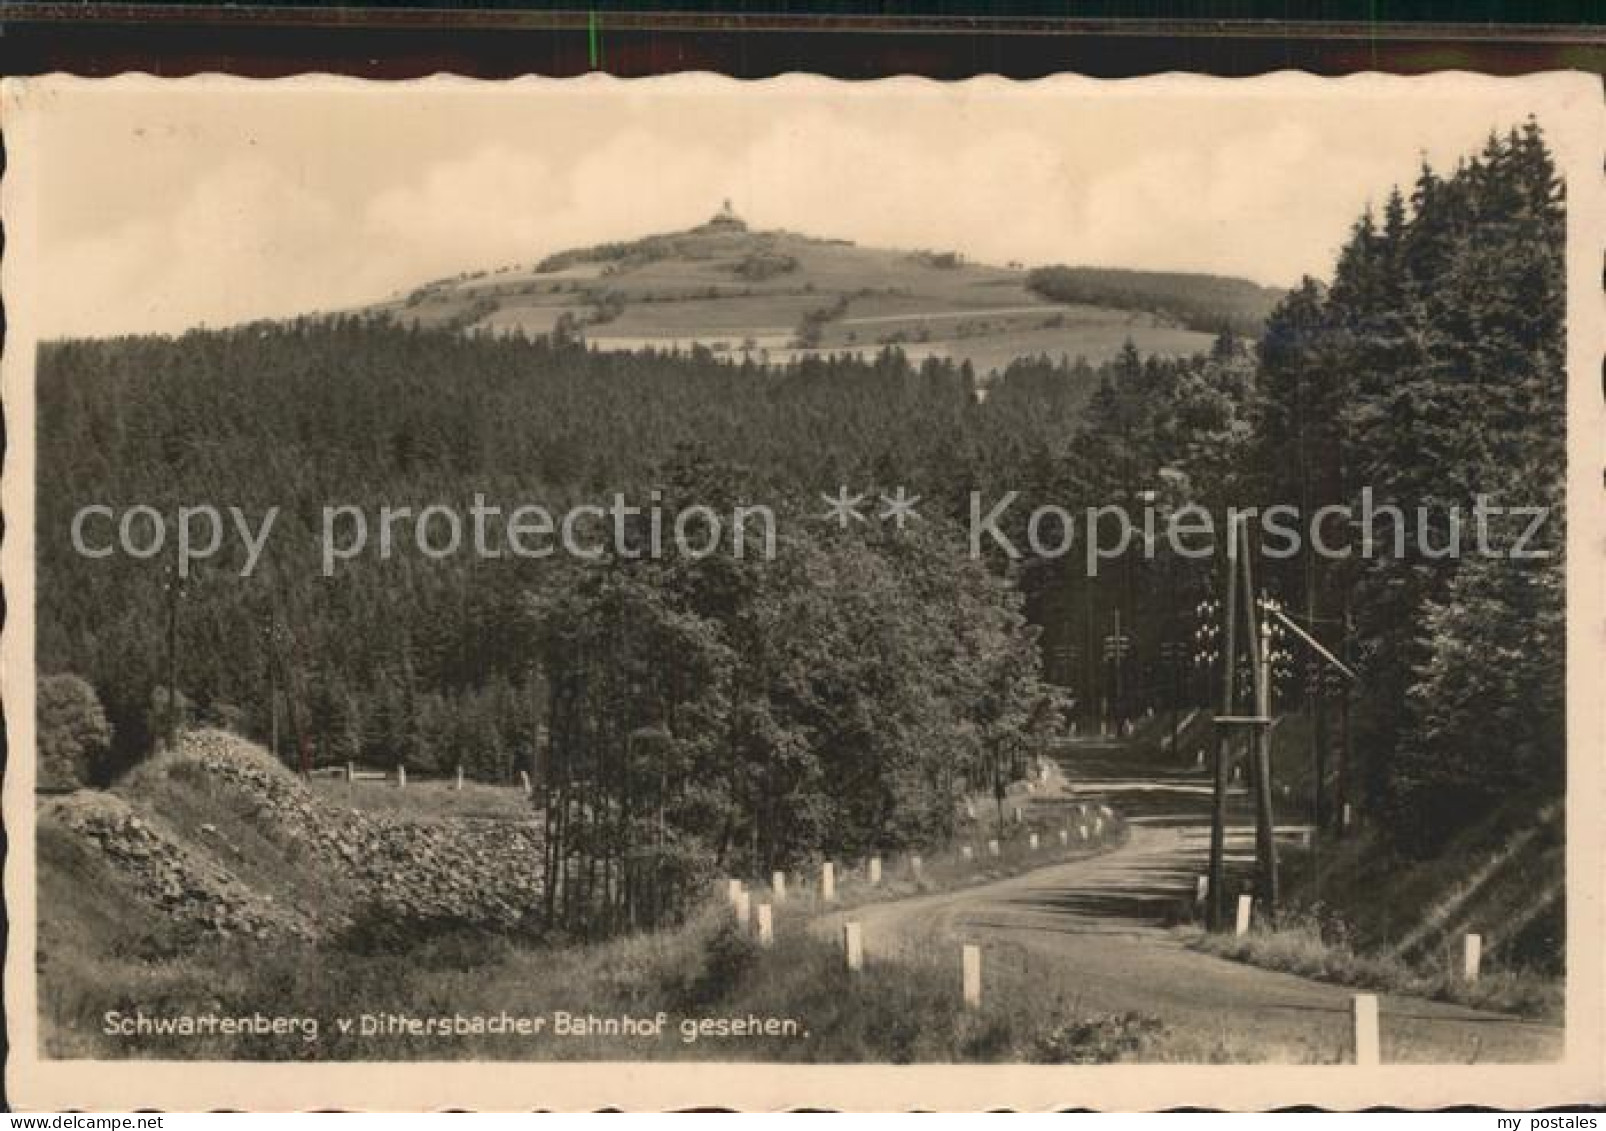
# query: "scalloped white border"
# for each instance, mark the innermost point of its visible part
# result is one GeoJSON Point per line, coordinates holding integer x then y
{"type": "Point", "coordinates": [1572, 111]}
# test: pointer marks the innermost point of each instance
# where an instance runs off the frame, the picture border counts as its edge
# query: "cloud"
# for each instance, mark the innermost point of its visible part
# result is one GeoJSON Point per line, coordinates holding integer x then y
{"type": "Point", "coordinates": [489, 207]}
{"type": "Point", "coordinates": [248, 240]}
{"type": "Point", "coordinates": [240, 209]}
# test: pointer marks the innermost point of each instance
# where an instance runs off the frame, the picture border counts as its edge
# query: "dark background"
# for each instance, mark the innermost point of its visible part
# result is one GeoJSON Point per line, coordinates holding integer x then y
{"type": "Point", "coordinates": [1019, 39]}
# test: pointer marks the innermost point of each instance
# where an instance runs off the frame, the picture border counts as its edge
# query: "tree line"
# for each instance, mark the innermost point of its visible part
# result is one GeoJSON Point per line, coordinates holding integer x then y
{"type": "Point", "coordinates": [1430, 371]}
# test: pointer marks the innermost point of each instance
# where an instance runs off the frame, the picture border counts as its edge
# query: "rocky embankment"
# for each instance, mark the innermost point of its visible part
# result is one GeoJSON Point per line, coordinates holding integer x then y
{"type": "Point", "coordinates": [190, 888]}
{"type": "Point", "coordinates": [220, 837]}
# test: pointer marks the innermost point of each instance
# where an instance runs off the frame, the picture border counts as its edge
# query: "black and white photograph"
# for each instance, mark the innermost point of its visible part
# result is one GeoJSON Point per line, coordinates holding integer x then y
{"type": "Point", "coordinates": [715, 579]}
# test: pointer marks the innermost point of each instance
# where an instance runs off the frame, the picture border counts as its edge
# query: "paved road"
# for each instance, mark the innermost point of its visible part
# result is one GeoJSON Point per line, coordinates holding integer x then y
{"type": "Point", "coordinates": [1097, 932]}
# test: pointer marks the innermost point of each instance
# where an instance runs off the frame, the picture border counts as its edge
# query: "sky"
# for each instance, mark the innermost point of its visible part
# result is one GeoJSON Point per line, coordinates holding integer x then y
{"type": "Point", "coordinates": [166, 205]}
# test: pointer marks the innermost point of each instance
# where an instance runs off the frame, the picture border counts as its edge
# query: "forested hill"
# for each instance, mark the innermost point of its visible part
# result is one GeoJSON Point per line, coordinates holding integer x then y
{"type": "Point", "coordinates": [774, 297]}
{"type": "Point", "coordinates": [1200, 302]}
{"type": "Point", "coordinates": [859, 682]}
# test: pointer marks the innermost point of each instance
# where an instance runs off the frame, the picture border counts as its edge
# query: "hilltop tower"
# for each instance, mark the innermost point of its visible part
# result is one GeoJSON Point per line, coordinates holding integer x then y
{"type": "Point", "coordinates": [726, 219]}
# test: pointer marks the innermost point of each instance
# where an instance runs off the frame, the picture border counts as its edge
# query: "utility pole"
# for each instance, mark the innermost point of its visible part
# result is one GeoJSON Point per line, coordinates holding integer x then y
{"type": "Point", "coordinates": [279, 644]}
{"type": "Point", "coordinates": [1274, 612]}
{"type": "Point", "coordinates": [1345, 763]}
{"type": "Point", "coordinates": [1115, 650]}
{"type": "Point", "coordinates": [1120, 696]}
{"type": "Point", "coordinates": [273, 706]}
{"type": "Point", "coordinates": [174, 586]}
{"type": "Point", "coordinates": [1173, 662]}
{"type": "Point", "coordinates": [1259, 639]}
{"type": "Point", "coordinates": [1090, 669]}
{"type": "Point", "coordinates": [270, 647]}
{"type": "Point", "coordinates": [1223, 748]}
{"type": "Point", "coordinates": [1318, 730]}
{"type": "Point", "coordinates": [1257, 643]}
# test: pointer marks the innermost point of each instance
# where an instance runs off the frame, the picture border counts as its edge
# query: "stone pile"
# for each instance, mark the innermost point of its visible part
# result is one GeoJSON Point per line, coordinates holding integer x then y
{"type": "Point", "coordinates": [191, 889]}
{"type": "Point", "coordinates": [473, 871]}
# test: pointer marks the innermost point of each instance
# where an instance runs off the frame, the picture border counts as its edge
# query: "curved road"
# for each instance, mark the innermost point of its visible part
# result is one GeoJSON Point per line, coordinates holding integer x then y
{"type": "Point", "coordinates": [1096, 931]}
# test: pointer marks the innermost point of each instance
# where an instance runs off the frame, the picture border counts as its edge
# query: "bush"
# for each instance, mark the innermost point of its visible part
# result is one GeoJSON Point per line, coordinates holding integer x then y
{"type": "Point", "coordinates": [73, 733]}
{"type": "Point", "coordinates": [1100, 1039]}
{"type": "Point", "coordinates": [761, 265]}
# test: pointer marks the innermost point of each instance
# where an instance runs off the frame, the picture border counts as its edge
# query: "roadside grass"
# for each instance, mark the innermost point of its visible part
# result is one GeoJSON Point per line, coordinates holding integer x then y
{"type": "Point", "coordinates": [948, 869]}
{"type": "Point", "coordinates": [901, 1010]}
{"type": "Point", "coordinates": [428, 800]}
{"type": "Point", "coordinates": [1361, 913]}
{"type": "Point", "coordinates": [1306, 946]}
{"type": "Point", "coordinates": [101, 950]}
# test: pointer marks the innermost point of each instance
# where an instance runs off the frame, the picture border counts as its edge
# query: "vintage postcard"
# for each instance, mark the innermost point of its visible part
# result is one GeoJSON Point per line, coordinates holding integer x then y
{"type": "Point", "coordinates": [682, 592]}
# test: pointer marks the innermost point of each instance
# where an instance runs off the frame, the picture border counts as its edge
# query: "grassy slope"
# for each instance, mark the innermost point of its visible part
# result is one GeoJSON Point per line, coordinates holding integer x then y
{"type": "Point", "coordinates": [694, 294]}
{"type": "Point", "coordinates": [1360, 914]}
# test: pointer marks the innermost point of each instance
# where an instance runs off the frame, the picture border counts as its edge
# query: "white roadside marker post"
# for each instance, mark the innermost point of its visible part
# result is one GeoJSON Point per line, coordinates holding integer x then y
{"type": "Point", "coordinates": [828, 882]}
{"type": "Point", "coordinates": [1201, 889]}
{"type": "Point", "coordinates": [972, 980]}
{"type": "Point", "coordinates": [853, 944]}
{"type": "Point", "coordinates": [778, 886]}
{"type": "Point", "coordinates": [875, 870]}
{"type": "Point", "coordinates": [459, 784]}
{"type": "Point", "coordinates": [401, 776]}
{"type": "Point", "coordinates": [351, 772]}
{"type": "Point", "coordinates": [915, 866]}
{"type": "Point", "coordinates": [766, 926]}
{"type": "Point", "coordinates": [744, 907]}
{"type": "Point", "coordinates": [1246, 905]}
{"type": "Point", "coordinates": [1032, 842]}
{"type": "Point", "coordinates": [524, 777]}
{"type": "Point", "coordinates": [1366, 1035]}
{"type": "Point", "coordinates": [1472, 957]}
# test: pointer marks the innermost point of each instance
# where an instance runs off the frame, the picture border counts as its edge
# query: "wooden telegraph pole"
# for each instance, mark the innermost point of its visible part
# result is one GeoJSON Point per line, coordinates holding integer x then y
{"type": "Point", "coordinates": [1240, 577]}
{"type": "Point", "coordinates": [1222, 754]}
{"type": "Point", "coordinates": [1259, 642]}
{"type": "Point", "coordinates": [174, 585]}
{"type": "Point", "coordinates": [270, 652]}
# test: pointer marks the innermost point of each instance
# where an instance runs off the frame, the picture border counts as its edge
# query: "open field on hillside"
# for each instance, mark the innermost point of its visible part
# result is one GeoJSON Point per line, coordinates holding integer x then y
{"type": "Point", "coordinates": [428, 799]}
{"type": "Point", "coordinates": [724, 288]}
